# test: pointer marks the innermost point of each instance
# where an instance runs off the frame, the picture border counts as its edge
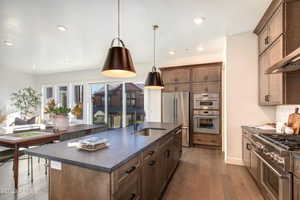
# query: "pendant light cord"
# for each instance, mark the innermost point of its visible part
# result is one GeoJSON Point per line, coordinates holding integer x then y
{"type": "Point", "coordinates": [155, 27]}
{"type": "Point", "coordinates": [119, 23]}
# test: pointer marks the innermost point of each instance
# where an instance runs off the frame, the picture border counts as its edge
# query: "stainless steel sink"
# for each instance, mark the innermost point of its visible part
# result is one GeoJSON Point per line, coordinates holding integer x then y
{"type": "Point", "coordinates": [149, 131]}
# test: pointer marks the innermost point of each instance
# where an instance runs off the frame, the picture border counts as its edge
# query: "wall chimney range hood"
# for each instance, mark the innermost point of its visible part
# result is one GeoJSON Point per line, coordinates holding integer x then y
{"type": "Point", "coordinates": [290, 63]}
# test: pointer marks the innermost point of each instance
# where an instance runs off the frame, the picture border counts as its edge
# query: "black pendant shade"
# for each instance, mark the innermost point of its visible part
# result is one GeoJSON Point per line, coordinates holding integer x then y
{"type": "Point", "coordinates": [118, 63]}
{"type": "Point", "coordinates": [154, 80]}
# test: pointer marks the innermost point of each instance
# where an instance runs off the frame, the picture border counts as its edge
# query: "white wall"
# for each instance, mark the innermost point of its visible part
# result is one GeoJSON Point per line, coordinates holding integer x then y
{"type": "Point", "coordinates": [11, 81]}
{"type": "Point", "coordinates": [242, 92]}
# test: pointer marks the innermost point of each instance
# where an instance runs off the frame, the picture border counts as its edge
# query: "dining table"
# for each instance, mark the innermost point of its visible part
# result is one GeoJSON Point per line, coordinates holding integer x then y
{"type": "Point", "coordinates": [26, 139]}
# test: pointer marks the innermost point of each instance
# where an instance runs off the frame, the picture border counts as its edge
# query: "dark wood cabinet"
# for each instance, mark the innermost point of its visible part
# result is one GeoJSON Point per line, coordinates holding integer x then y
{"type": "Point", "coordinates": [246, 152]}
{"type": "Point", "coordinates": [254, 165]}
{"type": "Point", "coordinates": [278, 36]}
{"type": "Point", "coordinates": [177, 75]}
{"type": "Point", "coordinates": [271, 85]}
{"type": "Point", "coordinates": [206, 73]}
{"type": "Point", "coordinates": [150, 181]}
{"type": "Point", "coordinates": [159, 165]}
{"type": "Point", "coordinates": [296, 188]}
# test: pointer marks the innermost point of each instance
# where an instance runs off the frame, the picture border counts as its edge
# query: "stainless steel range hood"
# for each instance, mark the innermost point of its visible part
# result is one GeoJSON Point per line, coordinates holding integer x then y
{"type": "Point", "coordinates": [290, 63]}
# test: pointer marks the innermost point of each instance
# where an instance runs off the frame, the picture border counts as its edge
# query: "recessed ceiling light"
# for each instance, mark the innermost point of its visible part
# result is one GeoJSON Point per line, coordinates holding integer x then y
{"type": "Point", "coordinates": [8, 43]}
{"type": "Point", "coordinates": [199, 20]}
{"type": "Point", "coordinates": [171, 52]}
{"type": "Point", "coordinates": [200, 48]}
{"type": "Point", "coordinates": [61, 28]}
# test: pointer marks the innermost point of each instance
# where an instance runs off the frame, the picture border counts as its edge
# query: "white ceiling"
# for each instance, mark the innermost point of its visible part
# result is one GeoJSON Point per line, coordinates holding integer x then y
{"type": "Point", "coordinates": [40, 48]}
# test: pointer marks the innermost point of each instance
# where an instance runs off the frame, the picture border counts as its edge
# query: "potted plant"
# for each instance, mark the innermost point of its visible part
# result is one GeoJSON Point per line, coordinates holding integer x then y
{"type": "Point", "coordinates": [59, 114]}
{"type": "Point", "coordinates": [26, 101]}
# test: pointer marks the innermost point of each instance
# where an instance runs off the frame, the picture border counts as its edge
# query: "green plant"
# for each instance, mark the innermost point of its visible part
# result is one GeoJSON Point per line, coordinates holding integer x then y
{"type": "Point", "coordinates": [26, 100]}
{"type": "Point", "coordinates": [61, 111]}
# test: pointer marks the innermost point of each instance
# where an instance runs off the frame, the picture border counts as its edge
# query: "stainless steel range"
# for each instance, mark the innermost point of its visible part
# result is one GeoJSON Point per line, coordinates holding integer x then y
{"type": "Point", "coordinates": [275, 172]}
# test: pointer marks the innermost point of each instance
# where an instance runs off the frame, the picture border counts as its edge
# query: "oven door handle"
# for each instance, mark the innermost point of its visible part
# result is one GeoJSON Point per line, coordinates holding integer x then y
{"type": "Point", "coordinates": [270, 166]}
{"type": "Point", "coordinates": [206, 117]}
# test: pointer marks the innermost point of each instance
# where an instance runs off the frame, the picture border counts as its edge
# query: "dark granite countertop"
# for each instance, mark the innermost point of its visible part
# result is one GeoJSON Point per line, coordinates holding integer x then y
{"type": "Point", "coordinates": [124, 146]}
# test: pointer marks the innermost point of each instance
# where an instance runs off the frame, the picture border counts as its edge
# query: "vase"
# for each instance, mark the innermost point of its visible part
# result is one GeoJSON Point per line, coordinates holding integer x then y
{"type": "Point", "coordinates": [61, 122]}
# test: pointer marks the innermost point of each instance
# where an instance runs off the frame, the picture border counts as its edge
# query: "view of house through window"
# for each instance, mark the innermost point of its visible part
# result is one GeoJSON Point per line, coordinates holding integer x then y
{"type": "Point", "coordinates": [63, 96]}
{"type": "Point", "coordinates": [114, 105]}
{"type": "Point", "coordinates": [110, 96]}
{"type": "Point", "coordinates": [98, 103]}
{"type": "Point", "coordinates": [134, 103]}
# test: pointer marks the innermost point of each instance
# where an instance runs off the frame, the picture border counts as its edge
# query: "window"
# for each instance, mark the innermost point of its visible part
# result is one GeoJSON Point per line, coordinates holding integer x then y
{"type": "Point", "coordinates": [49, 93]}
{"type": "Point", "coordinates": [78, 102]}
{"type": "Point", "coordinates": [63, 96]}
{"type": "Point", "coordinates": [98, 103]}
{"type": "Point", "coordinates": [107, 104]}
{"type": "Point", "coordinates": [135, 103]}
{"type": "Point", "coordinates": [115, 105]}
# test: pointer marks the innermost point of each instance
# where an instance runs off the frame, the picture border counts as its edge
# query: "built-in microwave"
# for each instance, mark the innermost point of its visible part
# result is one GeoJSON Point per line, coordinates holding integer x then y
{"type": "Point", "coordinates": [207, 101]}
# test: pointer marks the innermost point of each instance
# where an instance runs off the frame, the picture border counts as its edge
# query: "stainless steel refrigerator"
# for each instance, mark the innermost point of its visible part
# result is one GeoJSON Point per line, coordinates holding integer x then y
{"type": "Point", "coordinates": [176, 108]}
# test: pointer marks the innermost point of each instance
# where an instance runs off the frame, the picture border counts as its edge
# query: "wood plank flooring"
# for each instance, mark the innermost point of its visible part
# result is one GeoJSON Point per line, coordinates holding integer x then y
{"type": "Point", "coordinates": [202, 175]}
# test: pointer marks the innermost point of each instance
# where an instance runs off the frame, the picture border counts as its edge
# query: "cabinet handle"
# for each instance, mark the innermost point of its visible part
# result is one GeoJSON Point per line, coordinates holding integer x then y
{"type": "Point", "coordinates": [130, 170]}
{"type": "Point", "coordinates": [249, 147]}
{"type": "Point", "coordinates": [267, 98]}
{"type": "Point", "coordinates": [132, 196]}
{"type": "Point", "coordinates": [267, 40]}
{"type": "Point", "coordinates": [151, 153]}
{"type": "Point", "coordinates": [168, 153]}
{"type": "Point", "coordinates": [152, 163]}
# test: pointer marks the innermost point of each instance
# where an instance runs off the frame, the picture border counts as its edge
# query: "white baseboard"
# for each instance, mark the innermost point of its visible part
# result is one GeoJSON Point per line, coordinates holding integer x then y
{"type": "Point", "coordinates": [234, 161]}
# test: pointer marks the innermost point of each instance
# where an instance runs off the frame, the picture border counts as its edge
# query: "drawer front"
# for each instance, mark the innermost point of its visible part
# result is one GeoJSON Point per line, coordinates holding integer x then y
{"type": "Point", "coordinates": [125, 172]}
{"type": "Point", "coordinates": [149, 151]}
{"type": "Point", "coordinates": [129, 189]}
{"type": "Point", "coordinates": [202, 139]}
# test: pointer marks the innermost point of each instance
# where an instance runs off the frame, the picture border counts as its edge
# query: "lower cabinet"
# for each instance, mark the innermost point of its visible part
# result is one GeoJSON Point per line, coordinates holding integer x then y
{"type": "Point", "coordinates": [246, 152]}
{"type": "Point", "coordinates": [296, 188]}
{"type": "Point", "coordinates": [158, 167]}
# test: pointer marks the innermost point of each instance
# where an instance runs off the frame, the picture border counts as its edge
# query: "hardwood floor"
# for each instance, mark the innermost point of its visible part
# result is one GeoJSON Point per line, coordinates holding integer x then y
{"type": "Point", "coordinates": [202, 175]}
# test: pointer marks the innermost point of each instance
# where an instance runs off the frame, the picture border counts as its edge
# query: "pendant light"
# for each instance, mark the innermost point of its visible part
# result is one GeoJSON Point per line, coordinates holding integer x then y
{"type": "Point", "coordinates": [118, 63]}
{"type": "Point", "coordinates": [154, 80]}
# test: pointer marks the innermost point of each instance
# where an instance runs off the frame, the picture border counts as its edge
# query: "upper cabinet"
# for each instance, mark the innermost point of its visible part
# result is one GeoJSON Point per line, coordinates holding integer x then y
{"type": "Point", "coordinates": [176, 76]}
{"type": "Point", "coordinates": [200, 78]}
{"type": "Point", "coordinates": [278, 35]}
{"type": "Point", "coordinates": [272, 30]}
{"type": "Point", "coordinates": [204, 74]}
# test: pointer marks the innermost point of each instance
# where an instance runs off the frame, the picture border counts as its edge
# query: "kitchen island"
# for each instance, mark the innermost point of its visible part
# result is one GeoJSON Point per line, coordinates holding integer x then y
{"type": "Point", "coordinates": [137, 165]}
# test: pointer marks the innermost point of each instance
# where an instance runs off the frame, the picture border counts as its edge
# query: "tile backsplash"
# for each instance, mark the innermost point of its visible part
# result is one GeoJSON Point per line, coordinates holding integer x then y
{"type": "Point", "coordinates": [283, 112]}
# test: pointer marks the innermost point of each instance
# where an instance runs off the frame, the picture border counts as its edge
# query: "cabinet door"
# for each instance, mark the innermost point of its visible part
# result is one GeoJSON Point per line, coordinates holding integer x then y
{"type": "Point", "coordinates": [246, 152]}
{"type": "Point", "coordinates": [263, 39]}
{"type": "Point", "coordinates": [263, 79]}
{"type": "Point", "coordinates": [204, 74]}
{"type": "Point", "coordinates": [254, 161]}
{"type": "Point", "coordinates": [149, 179]}
{"type": "Point", "coordinates": [276, 80]}
{"type": "Point", "coordinates": [199, 88]}
{"type": "Point", "coordinates": [276, 24]}
{"type": "Point", "coordinates": [296, 188]}
{"type": "Point", "coordinates": [176, 75]}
